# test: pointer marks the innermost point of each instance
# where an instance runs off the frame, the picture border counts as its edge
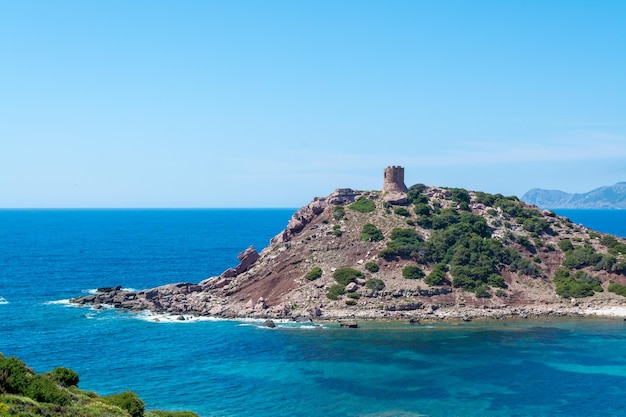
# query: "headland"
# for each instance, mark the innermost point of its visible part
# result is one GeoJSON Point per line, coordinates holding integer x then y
{"type": "Point", "coordinates": [407, 253]}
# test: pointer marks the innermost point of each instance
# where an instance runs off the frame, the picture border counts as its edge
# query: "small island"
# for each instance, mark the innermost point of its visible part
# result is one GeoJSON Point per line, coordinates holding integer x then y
{"type": "Point", "coordinates": [406, 253]}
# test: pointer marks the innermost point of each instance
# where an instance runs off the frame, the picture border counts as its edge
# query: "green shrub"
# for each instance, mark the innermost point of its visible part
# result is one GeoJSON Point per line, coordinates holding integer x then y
{"type": "Point", "coordinates": [484, 198]}
{"type": "Point", "coordinates": [618, 289]}
{"type": "Point", "coordinates": [437, 276]}
{"type": "Point", "coordinates": [615, 246]}
{"type": "Point", "coordinates": [314, 273]}
{"type": "Point", "coordinates": [335, 291]}
{"type": "Point", "coordinates": [43, 389]}
{"type": "Point", "coordinates": [128, 401]}
{"type": "Point", "coordinates": [525, 242]}
{"type": "Point", "coordinates": [337, 230]}
{"type": "Point", "coordinates": [414, 194]}
{"type": "Point", "coordinates": [350, 302]}
{"type": "Point", "coordinates": [422, 209]}
{"type": "Point", "coordinates": [371, 233]}
{"type": "Point", "coordinates": [482, 291]}
{"type": "Point", "coordinates": [404, 243]}
{"type": "Point", "coordinates": [339, 212]}
{"type": "Point", "coordinates": [565, 245]}
{"type": "Point", "coordinates": [402, 211]}
{"type": "Point", "coordinates": [65, 377]}
{"type": "Point", "coordinates": [344, 276]}
{"type": "Point", "coordinates": [14, 375]}
{"type": "Point", "coordinates": [579, 285]}
{"type": "Point", "coordinates": [460, 195]}
{"type": "Point", "coordinates": [375, 284]}
{"type": "Point", "coordinates": [363, 205]}
{"type": "Point", "coordinates": [412, 272]}
{"type": "Point", "coordinates": [581, 256]}
{"type": "Point", "coordinates": [372, 266]}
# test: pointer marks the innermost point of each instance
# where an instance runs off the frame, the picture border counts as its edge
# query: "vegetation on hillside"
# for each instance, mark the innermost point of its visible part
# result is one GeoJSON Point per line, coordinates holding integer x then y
{"type": "Point", "coordinates": [25, 393]}
{"type": "Point", "coordinates": [478, 242]}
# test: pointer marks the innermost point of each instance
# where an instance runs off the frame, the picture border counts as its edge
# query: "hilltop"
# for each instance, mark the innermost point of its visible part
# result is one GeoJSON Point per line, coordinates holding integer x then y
{"type": "Point", "coordinates": [608, 197]}
{"type": "Point", "coordinates": [419, 252]}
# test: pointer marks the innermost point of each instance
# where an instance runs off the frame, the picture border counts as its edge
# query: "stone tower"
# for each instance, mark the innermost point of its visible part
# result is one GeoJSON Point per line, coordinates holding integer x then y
{"type": "Point", "coordinates": [394, 180]}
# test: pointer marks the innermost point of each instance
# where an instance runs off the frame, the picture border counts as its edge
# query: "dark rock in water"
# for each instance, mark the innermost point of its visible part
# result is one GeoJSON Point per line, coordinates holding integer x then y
{"type": "Point", "coordinates": [414, 321]}
{"type": "Point", "coordinates": [109, 289]}
{"type": "Point", "coordinates": [349, 324]}
{"type": "Point", "coordinates": [269, 323]}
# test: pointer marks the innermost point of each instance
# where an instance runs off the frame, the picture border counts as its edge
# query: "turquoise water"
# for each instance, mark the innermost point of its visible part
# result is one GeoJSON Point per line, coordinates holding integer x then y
{"type": "Point", "coordinates": [236, 368]}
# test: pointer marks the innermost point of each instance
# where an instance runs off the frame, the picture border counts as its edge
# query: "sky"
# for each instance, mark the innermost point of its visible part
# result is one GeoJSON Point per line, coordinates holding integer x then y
{"type": "Point", "coordinates": [202, 104]}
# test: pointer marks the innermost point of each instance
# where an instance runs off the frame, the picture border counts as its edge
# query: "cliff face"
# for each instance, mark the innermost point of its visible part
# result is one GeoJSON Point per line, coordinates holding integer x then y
{"type": "Point", "coordinates": [466, 252]}
{"type": "Point", "coordinates": [609, 197]}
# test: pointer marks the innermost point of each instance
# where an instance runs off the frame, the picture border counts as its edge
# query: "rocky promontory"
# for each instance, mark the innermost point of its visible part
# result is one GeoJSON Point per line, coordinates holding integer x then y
{"type": "Point", "coordinates": [406, 253]}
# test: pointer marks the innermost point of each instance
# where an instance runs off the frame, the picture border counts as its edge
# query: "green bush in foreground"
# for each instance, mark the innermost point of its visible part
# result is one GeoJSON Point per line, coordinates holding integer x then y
{"type": "Point", "coordinates": [23, 393]}
{"type": "Point", "coordinates": [314, 273]}
{"type": "Point", "coordinates": [128, 401]}
{"type": "Point", "coordinates": [65, 377]}
{"type": "Point", "coordinates": [43, 389]}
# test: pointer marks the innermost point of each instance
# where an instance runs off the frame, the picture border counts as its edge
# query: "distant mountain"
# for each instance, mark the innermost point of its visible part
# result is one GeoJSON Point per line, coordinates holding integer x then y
{"type": "Point", "coordinates": [608, 197]}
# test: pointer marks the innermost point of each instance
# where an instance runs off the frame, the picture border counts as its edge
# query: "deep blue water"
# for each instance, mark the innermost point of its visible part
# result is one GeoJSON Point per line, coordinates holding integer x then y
{"type": "Point", "coordinates": [231, 368]}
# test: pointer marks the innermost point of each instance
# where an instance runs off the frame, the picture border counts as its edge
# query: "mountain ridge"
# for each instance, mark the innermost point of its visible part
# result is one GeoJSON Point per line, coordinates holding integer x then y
{"type": "Point", "coordinates": [605, 197]}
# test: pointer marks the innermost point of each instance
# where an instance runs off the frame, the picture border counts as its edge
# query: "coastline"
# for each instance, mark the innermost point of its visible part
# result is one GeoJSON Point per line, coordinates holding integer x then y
{"type": "Point", "coordinates": [339, 316]}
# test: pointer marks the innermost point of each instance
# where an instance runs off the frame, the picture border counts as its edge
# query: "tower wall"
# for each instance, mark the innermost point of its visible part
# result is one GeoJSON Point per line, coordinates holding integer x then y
{"type": "Point", "coordinates": [394, 180]}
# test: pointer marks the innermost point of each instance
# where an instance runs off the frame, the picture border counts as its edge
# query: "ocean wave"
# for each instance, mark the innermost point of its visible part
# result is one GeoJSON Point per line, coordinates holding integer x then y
{"type": "Point", "coordinates": [172, 318]}
{"type": "Point", "coordinates": [93, 291]}
{"type": "Point", "coordinates": [65, 302]}
{"type": "Point", "coordinates": [3, 301]}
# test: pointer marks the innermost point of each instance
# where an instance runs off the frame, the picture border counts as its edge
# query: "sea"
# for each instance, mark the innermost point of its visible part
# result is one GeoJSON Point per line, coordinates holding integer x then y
{"type": "Point", "coordinates": [238, 368]}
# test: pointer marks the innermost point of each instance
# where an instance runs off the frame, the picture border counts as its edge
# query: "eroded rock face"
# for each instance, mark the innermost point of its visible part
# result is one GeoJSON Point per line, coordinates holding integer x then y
{"type": "Point", "coordinates": [342, 196]}
{"type": "Point", "coordinates": [301, 219]}
{"type": "Point", "coordinates": [248, 257]}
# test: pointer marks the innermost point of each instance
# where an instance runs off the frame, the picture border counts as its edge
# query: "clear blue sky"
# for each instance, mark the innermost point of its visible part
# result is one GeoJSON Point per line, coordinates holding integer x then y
{"type": "Point", "coordinates": [271, 103]}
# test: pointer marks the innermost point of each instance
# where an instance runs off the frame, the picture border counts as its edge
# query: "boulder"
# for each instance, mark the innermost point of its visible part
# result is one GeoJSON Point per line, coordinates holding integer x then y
{"type": "Point", "coordinates": [248, 257]}
{"type": "Point", "coordinates": [260, 304]}
{"type": "Point", "coordinates": [395, 198]}
{"type": "Point", "coordinates": [269, 323]}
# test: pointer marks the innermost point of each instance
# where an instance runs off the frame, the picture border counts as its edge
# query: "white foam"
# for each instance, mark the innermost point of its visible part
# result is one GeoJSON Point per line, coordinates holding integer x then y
{"type": "Point", "coordinates": [3, 301]}
{"type": "Point", "coordinates": [172, 318]}
{"type": "Point", "coordinates": [64, 302]}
